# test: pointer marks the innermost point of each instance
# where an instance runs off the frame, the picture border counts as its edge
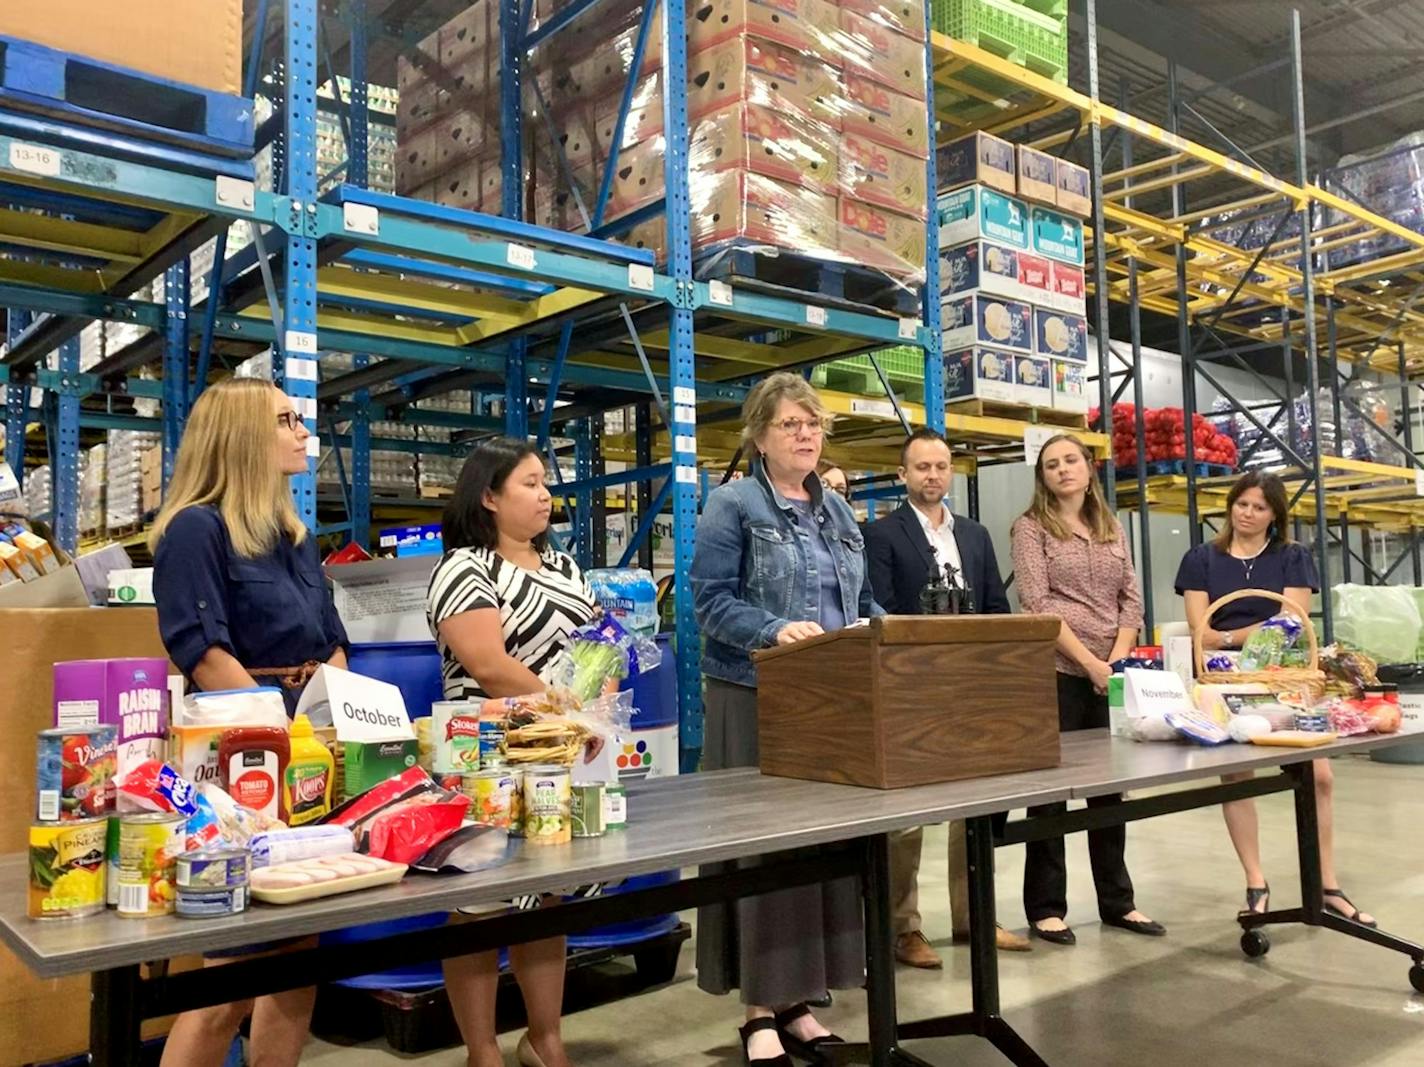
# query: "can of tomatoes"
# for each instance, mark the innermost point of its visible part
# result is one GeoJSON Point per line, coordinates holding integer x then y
{"type": "Point", "coordinates": [75, 768]}
{"type": "Point", "coordinates": [149, 844]}
{"type": "Point", "coordinates": [66, 869]}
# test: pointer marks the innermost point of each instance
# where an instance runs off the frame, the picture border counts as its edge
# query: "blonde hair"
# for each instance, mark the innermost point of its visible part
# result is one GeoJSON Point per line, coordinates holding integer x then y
{"type": "Point", "coordinates": [1044, 508]}
{"type": "Point", "coordinates": [766, 396]}
{"type": "Point", "coordinates": [226, 460]}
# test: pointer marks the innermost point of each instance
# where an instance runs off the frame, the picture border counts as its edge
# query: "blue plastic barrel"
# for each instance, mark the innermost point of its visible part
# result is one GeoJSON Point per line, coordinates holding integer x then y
{"type": "Point", "coordinates": [655, 691]}
{"type": "Point", "coordinates": [413, 667]}
{"type": "Point", "coordinates": [416, 976]}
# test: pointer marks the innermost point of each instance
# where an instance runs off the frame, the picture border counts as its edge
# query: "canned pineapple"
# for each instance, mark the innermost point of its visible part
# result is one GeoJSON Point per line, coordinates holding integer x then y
{"type": "Point", "coordinates": [67, 869]}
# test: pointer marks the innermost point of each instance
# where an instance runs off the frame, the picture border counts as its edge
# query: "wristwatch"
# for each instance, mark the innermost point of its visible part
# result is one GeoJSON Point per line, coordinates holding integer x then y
{"type": "Point", "coordinates": [1227, 638]}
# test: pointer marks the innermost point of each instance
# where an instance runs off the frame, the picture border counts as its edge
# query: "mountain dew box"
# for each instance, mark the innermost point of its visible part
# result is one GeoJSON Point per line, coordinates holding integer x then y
{"type": "Point", "coordinates": [369, 763]}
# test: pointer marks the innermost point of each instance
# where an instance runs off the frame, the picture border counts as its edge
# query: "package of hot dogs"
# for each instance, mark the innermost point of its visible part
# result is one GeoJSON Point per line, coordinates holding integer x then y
{"type": "Point", "coordinates": [403, 817]}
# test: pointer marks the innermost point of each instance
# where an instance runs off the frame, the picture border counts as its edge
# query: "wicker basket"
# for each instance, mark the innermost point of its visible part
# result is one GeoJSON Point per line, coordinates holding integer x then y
{"type": "Point", "coordinates": [1310, 679]}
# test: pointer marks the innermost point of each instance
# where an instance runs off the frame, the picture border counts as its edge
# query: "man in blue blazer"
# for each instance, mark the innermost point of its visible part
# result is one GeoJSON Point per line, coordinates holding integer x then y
{"type": "Point", "coordinates": [903, 549]}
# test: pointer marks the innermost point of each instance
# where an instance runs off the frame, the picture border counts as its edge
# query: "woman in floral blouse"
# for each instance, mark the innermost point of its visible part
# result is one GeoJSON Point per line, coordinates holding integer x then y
{"type": "Point", "coordinates": [1071, 560]}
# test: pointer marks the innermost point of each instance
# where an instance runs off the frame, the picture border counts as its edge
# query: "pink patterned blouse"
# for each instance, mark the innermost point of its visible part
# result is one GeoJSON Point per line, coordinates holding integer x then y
{"type": "Point", "coordinates": [1090, 585]}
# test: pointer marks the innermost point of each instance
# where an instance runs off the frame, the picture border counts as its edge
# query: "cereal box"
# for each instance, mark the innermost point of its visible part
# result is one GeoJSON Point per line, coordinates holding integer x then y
{"type": "Point", "coordinates": [128, 694]}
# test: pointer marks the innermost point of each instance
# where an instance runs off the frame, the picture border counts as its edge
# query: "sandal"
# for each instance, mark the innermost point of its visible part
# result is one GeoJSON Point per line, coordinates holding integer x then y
{"type": "Point", "coordinates": [746, 1032]}
{"type": "Point", "coordinates": [1258, 901]}
{"type": "Point", "coordinates": [806, 1050]}
{"type": "Point", "coordinates": [1333, 910]}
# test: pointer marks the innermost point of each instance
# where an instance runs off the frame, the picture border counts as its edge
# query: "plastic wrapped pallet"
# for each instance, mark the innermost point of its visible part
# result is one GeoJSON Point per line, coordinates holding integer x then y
{"type": "Point", "coordinates": [39, 497]}
{"type": "Point", "coordinates": [124, 478]}
{"type": "Point", "coordinates": [1390, 182]}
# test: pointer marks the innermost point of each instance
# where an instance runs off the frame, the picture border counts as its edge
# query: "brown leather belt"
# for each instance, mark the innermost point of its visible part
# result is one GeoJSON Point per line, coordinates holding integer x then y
{"type": "Point", "coordinates": [287, 677]}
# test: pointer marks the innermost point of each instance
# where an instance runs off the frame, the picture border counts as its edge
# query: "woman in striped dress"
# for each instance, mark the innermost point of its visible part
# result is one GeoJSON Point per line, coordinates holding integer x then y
{"type": "Point", "coordinates": [502, 604]}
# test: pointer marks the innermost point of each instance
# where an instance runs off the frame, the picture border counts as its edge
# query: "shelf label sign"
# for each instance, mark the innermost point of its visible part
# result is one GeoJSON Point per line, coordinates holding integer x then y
{"type": "Point", "coordinates": [684, 395]}
{"type": "Point", "coordinates": [1035, 437]}
{"type": "Point", "coordinates": [520, 256]}
{"type": "Point", "coordinates": [815, 316]}
{"type": "Point", "coordinates": [685, 475]}
{"type": "Point", "coordinates": [314, 446]}
{"type": "Point", "coordinates": [36, 159]}
{"type": "Point", "coordinates": [301, 370]}
{"type": "Point", "coordinates": [685, 443]}
{"type": "Point", "coordinates": [300, 341]}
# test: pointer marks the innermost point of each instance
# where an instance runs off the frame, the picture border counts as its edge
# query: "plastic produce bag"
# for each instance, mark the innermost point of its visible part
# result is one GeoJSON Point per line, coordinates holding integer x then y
{"type": "Point", "coordinates": [1267, 647]}
{"type": "Point", "coordinates": [1381, 620]}
{"type": "Point", "coordinates": [599, 655]}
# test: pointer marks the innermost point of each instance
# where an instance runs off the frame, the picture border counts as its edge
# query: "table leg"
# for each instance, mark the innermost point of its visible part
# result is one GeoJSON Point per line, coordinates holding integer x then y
{"type": "Point", "coordinates": [983, 938]}
{"type": "Point", "coordinates": [879, 952]}
{"type": "Point", "coordinates": [1307, 833]}
{"type": "Point", "coordinates": [114, 1018]}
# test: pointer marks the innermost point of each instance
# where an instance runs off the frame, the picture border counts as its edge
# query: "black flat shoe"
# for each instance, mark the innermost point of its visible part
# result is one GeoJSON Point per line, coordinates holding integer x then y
{"type": "Point", "coordinates": [1145, 927]}
{"type": "Point", "coordinates": [1258, 901]}
{"type": "Point", "coordinates": [755, 1026]}
{"type": "Point", "coordinates": [822, 1002]}
{"type": "Point", "coordinates": [806, 1050]}
{"type": "Point", "coordinates": [1066, 936]}
{"type": "Point", "coordinates": [1354, 917]}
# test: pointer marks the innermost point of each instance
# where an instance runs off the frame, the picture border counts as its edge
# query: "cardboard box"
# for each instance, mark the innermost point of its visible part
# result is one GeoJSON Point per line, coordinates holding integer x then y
{"type": "Point", "coordinates": [198, 42]}
{"type": "Point", "coordinates": [903, 16]}
{"type": "Point", "coordinates": [879, 53]}
{"type": "Point", "coordinates": [443, 146]}
{"type": "Point", "coordinates": [130, 586]}
{"type": "Point", "coordinates": [893, 119]}
{"type": "Point", "coordinates": [1069, 289]}
{"type": "Point", "coordinates": [764, 140]}
{"type": "Point", "coordinates": [737, 204]}
{"type": "Point", "coordinates": [1036, 175]}
{"type": "Point", "coordinates": [1033, 381]}
{"type": "Point", "coordinates": [978, 159]}
{"type": "Point", "coordinates": [984, 319]}
{"type": "Point", "coordinates": [798, 24]}
{"type": "Point", "coordinates": [1056, 235]}
{"type": "Point", "coordinates": [883, 239]}
{"type": "Point", "coordinates": [1060, 335]}
{"type": "Point", "coordinates": [764, 72]}
{"type": "Point", "coordinates": [644, 120]}
{"type": "Point", "coordinates": [382, 599]}
{"type": "Point", "coordinates": [405, 541]}
{"type": "Point", "coordinates": [1070, 386]}
{"type": "Point", "coordinates": [979, 373]}
{"type": "Point", "coordinates": [996, 269]}
{"type": "Point", "coordinates": [883, 177]}
{"type": "Point", "coordinates": [639, 180]}
{"type": "Point", "coordinates": [469, 37]}
{"type": "Point", "coordinates": [1073, 189]}
{"type": "Point", "coordinates": [976, 212]}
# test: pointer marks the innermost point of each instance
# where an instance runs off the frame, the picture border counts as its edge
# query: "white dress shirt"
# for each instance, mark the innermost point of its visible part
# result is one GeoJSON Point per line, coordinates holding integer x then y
{"type": "Point", "coordinates": [942, 542]}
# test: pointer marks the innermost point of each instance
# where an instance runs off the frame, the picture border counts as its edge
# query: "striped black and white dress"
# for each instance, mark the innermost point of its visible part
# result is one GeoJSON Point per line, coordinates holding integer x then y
{"type": "Point", "coordinates": [537, 612]}
{"type": "Point", "coordinates": [537, 609]}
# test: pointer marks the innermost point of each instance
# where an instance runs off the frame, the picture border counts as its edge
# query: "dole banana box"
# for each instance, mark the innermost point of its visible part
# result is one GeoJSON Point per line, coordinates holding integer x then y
{"type": "Point", "coordinates": [978, 318]}
{"type": "Point", "coordinates": [883, 177]}
{"type": "Point", "coordinates": [997, 269]}
{"type": "Point", "coordinates": [1060, 335]}
{"type": "Point", "coordinates": [644, 119]}
{"type": "Point", "coordinates": [976, 212]}
{"type": "Point", "coordinates": [651, 235]}
{"type": "Point", "coordinates": [639, 178]}
{"type": "Point", "coordinates": [980, 373]}
{"type": "Point", "coordinates": [882, 239]}
{"type": "Point", "coordinates": [1036, 175]}
{"type": "Point", "coordinates": [736, 204]}
{"type": "Point", "coordinates": [762, 72]}
{"type": "Point", "coordinates": [977, 159]}
{"type": "Point", "coordinates": [903, 16]}
{"type": "Point", "coordinates": [466, 38]}
{"type": "Point", "coordinates": [779, 144]}
{"type": "Point", "coordinates": [879, 53]}
{"type": "Point", "coordinates": [1056, 235]}
{"type": "Point", "coordinates": [797, 24]}
{"type": "Point", "coordinates": [871, 110]}
{"type": "Point", "coordinates": [1033, 381]}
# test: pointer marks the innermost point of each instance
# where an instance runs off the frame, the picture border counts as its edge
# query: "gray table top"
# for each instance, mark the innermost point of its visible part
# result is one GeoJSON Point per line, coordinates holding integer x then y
{"type": "Point", "coordinates": [673, 823]}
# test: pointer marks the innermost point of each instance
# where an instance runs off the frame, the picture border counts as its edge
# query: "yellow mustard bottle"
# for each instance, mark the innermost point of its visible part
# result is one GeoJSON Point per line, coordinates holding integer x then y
{"type": "Point", "coordinates": [311, 773]}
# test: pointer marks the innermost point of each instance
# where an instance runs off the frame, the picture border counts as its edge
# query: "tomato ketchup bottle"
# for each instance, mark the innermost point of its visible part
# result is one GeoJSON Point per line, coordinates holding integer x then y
{"type": "Point", "coordinates": [252, 764]}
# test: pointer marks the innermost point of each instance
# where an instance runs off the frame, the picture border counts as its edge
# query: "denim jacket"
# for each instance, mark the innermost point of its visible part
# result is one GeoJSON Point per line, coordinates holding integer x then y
{"type": "Point", "coordinates": [753, 570]}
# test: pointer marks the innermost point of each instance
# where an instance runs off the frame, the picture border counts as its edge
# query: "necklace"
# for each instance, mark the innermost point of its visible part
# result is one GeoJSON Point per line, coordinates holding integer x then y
{"type": "Point", "coordinates": [1248, 563]}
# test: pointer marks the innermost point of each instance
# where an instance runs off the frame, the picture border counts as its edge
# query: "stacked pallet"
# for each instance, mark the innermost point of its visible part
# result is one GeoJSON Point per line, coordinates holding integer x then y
{"type": "Point", "coordinates": [807, 127]}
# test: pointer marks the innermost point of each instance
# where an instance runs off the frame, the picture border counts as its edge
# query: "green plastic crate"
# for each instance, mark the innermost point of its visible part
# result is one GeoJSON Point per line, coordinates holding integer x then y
{"type": "Point", "coordinates": [1032, 39]}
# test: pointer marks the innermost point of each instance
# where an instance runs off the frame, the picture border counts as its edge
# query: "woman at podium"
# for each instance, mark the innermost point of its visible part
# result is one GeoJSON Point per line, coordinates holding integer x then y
{"type": "Point", "coordinates": [1071, 560]}
{"type": "Point", "coordinates": [778, 560]}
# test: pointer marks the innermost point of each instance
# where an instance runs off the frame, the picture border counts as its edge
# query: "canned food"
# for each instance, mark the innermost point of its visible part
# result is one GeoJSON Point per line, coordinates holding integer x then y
{"type": "Point", "coordinates": [75, 772]}
{"type": "Point", "coordinates": [451, 780]}
{"type": "Point", "coordinates": [615, 807]}
{"type": "Point", "coordinates": [111, 861]}
{"type": "Point", "coordinates": [494, 763]}
{"type": "Point", "coordinates": [149, 844]}
{"type": "Point", "coordinates": [213, 868]}
{"type": "Point", "coordinates": [66, 869]}
{"type": "Point", "coordinates": [586, 811]}
{"type": "Point", "coordinates": [211, 903]}
{"type": "Point", "coordinates": [455, 734]}
{"type": "Point", "coordinates": [491, 738]}
{"type": "Point", "coordinates": [493, 792]}
{"type": "Point", "coordinates": [548, 795]}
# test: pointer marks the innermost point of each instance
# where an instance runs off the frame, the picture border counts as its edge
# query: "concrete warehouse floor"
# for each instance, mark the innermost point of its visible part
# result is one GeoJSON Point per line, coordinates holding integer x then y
{"type": "Point", "coordinates": [1192, 1000]}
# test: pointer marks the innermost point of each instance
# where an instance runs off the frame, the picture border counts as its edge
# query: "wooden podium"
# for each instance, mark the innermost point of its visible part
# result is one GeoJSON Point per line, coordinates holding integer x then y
{"type": "Point", "coordinates": [911, 700]}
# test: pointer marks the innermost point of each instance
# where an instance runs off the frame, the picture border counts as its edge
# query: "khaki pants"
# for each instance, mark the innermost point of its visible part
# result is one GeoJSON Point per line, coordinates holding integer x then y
{"type": "Point", "coordinates": [905, 873]}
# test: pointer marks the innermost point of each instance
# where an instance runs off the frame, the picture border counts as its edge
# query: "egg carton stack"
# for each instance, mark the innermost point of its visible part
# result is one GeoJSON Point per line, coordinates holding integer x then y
{"type": "Point", "coordinates": [331, 149]}
{"type": "Point", "coordinates": [124, 472]}
{"type": "Point", "coordinates": [39, 491]}
{"type": "Point", "coordinates": [436, 472]}
{"type": "Point", "coordinates": [91, 345]}
{"type": "Point", "coordinates": [808, 128]}
{"type": "Point", "coordinates": [1013, 299]}
{"type": "Point", "coordinates": [93, 465]}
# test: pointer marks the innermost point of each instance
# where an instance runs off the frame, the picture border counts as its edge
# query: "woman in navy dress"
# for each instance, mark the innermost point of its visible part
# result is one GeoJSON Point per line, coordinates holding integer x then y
{"type": "Point", "coordinates": [1255, 551]}
{"type": "Point", "coordinates": [242, 602]}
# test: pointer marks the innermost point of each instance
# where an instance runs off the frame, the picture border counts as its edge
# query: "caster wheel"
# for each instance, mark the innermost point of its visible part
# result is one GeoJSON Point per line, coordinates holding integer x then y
{"type": "Point", "coordinates": [1416, 977]}
{"type": "Point", "coordinates": [1255, 944]}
